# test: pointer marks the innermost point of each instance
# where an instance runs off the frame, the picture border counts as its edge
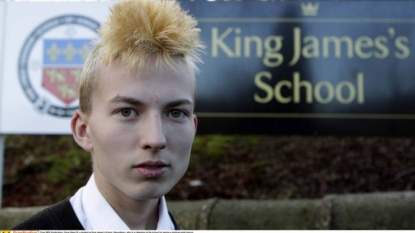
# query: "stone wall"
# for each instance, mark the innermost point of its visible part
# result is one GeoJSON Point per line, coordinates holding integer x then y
{"type": "Point", "coordinates": [360, 211]}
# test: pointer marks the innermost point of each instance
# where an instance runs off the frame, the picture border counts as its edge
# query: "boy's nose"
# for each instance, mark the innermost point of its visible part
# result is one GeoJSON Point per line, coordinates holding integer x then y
{"type": "Point", "coordinates": [152, 136]}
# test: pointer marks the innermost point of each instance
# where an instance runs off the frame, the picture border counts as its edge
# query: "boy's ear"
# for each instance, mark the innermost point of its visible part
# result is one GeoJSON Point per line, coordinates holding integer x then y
{"type": "Point", "coordinates": [79, 126]}
{"type": "Point", "coordinates": [195, 122]}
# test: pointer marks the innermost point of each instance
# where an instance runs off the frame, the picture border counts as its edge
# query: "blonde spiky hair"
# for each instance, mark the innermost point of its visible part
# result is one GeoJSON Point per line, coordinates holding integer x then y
{"type": "Point", "coordinates": [137, 30]}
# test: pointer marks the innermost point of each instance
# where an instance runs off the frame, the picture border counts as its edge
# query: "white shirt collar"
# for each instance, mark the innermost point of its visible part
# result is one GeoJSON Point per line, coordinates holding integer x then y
{"type": "Point", "coordinates": [95, 213]}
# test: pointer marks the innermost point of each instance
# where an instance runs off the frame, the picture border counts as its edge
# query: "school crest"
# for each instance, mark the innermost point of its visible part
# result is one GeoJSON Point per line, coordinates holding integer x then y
{"type": "Point", "coordinates": [51, 61]}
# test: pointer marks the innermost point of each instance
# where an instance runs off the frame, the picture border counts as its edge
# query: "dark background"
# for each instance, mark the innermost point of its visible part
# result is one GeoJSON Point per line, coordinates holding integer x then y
{"type": "Point", "coordinates": [42, 170]}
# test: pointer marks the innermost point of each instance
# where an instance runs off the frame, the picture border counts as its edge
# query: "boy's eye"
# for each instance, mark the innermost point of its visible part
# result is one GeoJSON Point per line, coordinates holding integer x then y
{"type": "Point", "coordinates": [177, 114]}
{"type": "Point", "coordinates": [127, 112]}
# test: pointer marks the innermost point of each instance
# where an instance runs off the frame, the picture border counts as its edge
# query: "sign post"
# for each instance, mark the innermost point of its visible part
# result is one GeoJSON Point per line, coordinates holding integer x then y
{"type": "Point", "coordinates": [1, 168]}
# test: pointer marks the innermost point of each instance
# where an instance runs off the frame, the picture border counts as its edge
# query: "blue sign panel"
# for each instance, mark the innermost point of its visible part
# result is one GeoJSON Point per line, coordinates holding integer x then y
{"type": "Point", "coordinates": [322, 67]}
{"type": "Point", "coordinates": [65, 52]}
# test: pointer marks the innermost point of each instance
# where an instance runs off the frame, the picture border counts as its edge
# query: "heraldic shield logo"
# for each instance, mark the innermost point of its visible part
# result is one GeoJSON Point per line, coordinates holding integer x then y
{"type": "Point", "coordinates": [62, 67]}
{"type": "Point", "coordinates": [51, 61]}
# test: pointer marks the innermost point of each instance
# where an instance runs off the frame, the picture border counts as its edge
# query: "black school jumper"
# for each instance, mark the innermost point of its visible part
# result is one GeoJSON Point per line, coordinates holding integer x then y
{"type": "Point", "coordinates": [60, 216]}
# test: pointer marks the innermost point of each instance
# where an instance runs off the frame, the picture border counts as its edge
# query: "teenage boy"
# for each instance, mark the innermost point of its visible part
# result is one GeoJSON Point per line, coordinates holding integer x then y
{"type": "Point", "coordinates": [137, 96]}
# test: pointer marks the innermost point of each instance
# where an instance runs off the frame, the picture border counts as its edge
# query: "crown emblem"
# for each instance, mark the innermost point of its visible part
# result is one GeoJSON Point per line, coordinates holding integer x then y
{"type": "Point", "coordinates": [309, 9]}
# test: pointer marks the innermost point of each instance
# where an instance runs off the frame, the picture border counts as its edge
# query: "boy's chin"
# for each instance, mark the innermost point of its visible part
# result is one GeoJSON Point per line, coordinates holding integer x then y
{"type": "Point", "coordinates": [148, 193]}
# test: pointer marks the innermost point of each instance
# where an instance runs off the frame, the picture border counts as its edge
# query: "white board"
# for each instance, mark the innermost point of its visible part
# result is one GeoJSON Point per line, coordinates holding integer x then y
{"type": "Point", "coordinates": [2, 55]}
{"type": "Point", "coordinates": [45, 45]}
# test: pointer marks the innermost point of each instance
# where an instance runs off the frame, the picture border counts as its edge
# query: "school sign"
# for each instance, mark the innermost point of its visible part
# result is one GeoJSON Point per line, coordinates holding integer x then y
{"type": "Point", "coordinates": [44, 47]}
{"type": "Point", "coordinates": [320, 67]}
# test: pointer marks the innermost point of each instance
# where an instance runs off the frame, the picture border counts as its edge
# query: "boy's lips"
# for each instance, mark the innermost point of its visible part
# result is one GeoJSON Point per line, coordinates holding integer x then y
{"type": "Point", "coordinates": [151, 169]}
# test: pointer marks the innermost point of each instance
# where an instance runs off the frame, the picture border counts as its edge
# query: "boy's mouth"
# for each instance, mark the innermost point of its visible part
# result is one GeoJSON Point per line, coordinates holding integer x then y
{"type": "Point", "coordinates": [151, 169]}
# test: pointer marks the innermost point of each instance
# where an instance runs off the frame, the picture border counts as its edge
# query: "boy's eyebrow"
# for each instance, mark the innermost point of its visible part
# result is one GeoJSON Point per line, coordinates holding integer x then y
{"type": "Point", "coordinates": [136, 102]}
{"type": "Point", "coordinates": [179, 102]}
{"type": "Point", "coordinates": [126, 99]}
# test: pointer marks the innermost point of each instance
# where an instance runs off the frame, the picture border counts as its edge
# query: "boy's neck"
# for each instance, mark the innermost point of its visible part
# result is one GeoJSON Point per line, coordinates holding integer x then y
{"type": "Point", "coordinates": [136, 214]}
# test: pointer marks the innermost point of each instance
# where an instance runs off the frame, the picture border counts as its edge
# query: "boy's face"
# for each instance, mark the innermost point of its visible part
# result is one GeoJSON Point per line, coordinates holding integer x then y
{"type": "Point", "coordinates": [141, 129]}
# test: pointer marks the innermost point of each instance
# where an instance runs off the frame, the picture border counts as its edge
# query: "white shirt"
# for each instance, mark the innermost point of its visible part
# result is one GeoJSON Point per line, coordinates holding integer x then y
{"type": "Point", "coordinates": [95, 213]}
